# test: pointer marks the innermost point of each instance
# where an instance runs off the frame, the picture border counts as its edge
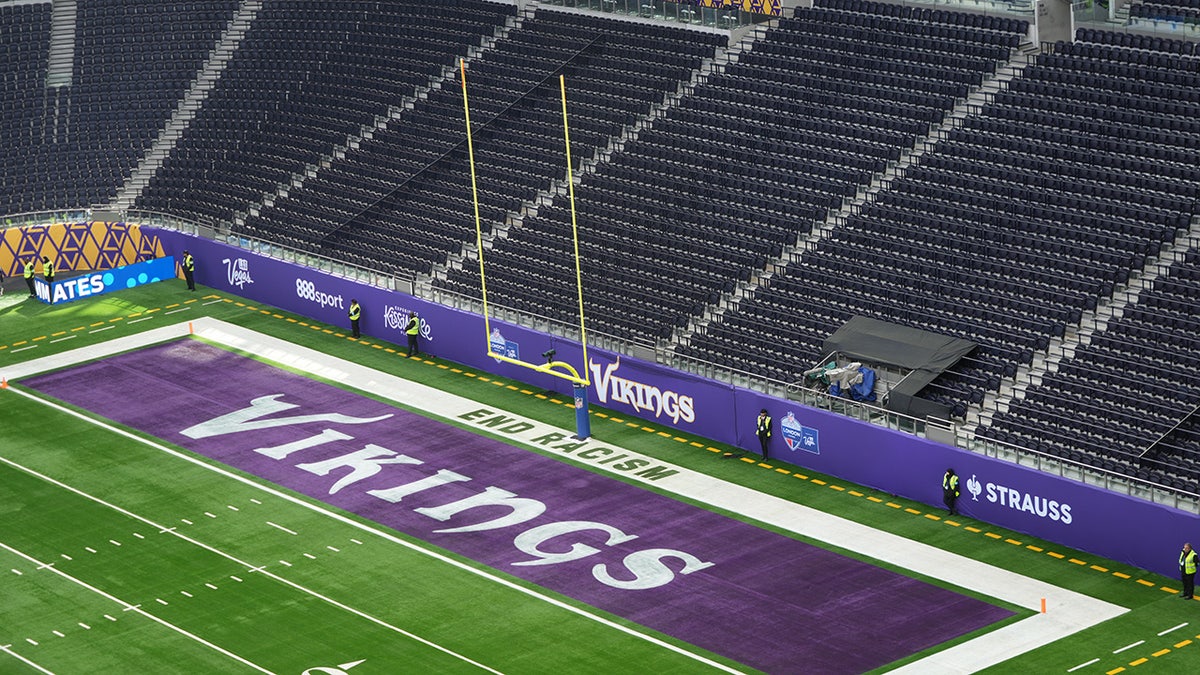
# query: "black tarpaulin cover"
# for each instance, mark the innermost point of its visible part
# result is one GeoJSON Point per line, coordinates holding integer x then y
{"type": "Point", "coordinates": [926, 354]}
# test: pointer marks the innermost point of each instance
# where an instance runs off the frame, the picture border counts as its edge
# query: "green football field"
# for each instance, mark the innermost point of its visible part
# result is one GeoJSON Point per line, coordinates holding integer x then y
{"type": "Point", "coordinates": [122, 553]}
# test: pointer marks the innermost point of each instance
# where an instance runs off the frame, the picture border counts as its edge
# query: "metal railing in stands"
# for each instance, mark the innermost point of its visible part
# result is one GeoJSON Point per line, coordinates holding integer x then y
{"type": "Point", "coordinates": [944, 431]}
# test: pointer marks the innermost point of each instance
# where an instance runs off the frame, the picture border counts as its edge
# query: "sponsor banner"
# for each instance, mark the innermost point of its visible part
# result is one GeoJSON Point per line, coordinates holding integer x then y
{"type": "Point", "coordinates": [695, 575]}
{"type": "Point", "coordinates": [99, 283]}
{"type": "Point", "coordinates": [1062, 510]}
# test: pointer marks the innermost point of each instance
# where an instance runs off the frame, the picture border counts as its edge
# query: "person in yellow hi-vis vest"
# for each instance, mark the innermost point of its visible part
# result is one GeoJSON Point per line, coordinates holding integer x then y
{"type": "Point", "coordinates": [413, 331]}
{"type": "Point", "coordinates": [48, 269]}
{"type": "Point", "coordinates": [355, 315]}
{"type": "Point", "coordinates": [30, 268]}
{"type": "Point", "coordinates": [1187, 571]}
{"type": "Point", "coordinates": [189, 270]}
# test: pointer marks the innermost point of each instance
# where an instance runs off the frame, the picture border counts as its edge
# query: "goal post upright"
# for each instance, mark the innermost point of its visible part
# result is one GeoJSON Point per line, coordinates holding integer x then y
{"type": "Point", "coordinates": [579, 384]}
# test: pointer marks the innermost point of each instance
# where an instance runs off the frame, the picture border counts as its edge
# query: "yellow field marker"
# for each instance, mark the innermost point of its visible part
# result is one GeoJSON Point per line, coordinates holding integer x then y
{"type": "Point", "coordinates": [782, 471]}
{"type": "Point", "coordinates": [894, 506]}
{"type": "Point", "coordinates": [912, 511]}
{"type": "Point", "coordinates": [839, 488]}
{"type": "Point", "coordinates": [877, 500]}
{"type": "Point", "coordinates": [976, 530]}
{"type": "Point", "coordinates": [1181, 645]}
{"type": "Point", "coordinates": [1035, 549]}
{"type": "Point", "coordinates": [1138, 662]}
{"type": "Point", "coordinates": [933, 516]}
{"type": "Point", "coordinates": [856, 493]}
{"type": "Point", "coordinates": [1099, 568]}
{"type": "Point", "coordinates": [1120, 575]}
{"type": "Point", "coordinates": [1145, 583]}
{"type": "Point", "coordinates": [40, 337]}
{"type": "Point", "coordinates": [1076, 561]}
{"type": "Point", "coordinates": [1014, 542]}
{"type": "Point", "coordinates": [821, 482]}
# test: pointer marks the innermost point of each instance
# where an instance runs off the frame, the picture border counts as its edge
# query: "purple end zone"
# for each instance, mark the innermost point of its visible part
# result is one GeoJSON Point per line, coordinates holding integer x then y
{"type": "Point", "coordinates": [760, 598]}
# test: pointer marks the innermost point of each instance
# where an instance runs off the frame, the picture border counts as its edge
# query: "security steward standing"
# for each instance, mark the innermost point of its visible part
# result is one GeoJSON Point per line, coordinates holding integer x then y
{"type": "Point", "coordinates": [30, 266]}
{"type": "Point", "coordinates": [762, 429]}
{"type": "Point", "coordinates": [355, 315]}
{"type": "Point", "coordinates": [950, 490]}
{"type": "Point", "coordinates": [1187, 571]}
{"type": "Point", "coordinates": [48, 269]}
{"type": "Point", "coordinates": [189, 270]}
{"type": "Point", "coordinates": [413, 330]}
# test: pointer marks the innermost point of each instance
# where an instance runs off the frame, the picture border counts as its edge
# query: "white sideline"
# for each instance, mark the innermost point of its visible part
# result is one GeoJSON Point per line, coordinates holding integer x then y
{"type": "Point", "coordinates": [1067, 611]}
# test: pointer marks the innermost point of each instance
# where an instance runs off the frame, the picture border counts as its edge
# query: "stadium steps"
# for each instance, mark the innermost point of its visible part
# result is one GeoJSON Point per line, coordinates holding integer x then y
{"type": "Point", "coordinates": [1019, 59]}
{"type": "Point", "coordinates": [559, 188]}
{"type": "Point", "coordinates": [446, 78]}
{"type": "Point", "coordinates": [185, 112]}
{"type": "Point", "coordinates": [60, 67]}
{"type": "Point", "coordinates": [1091, 323]}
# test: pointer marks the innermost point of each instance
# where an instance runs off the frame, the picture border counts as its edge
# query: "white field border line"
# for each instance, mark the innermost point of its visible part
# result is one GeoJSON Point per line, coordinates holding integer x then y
{"type": "Point", "coordinates": [366, 528]}
{"type": "Point", "coordinates": [6, 649]}
{"type": "Point", "coordinates": [248, 566]}
{"type": "Point", "coordinates": [133, 608]}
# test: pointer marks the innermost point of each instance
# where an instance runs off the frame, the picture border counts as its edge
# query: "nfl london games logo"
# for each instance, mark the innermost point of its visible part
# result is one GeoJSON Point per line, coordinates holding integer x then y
{"type": "Point", "coordinates": [799, 437]}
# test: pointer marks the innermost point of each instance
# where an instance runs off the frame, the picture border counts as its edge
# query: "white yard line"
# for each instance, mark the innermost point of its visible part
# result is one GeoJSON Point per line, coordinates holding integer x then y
{"type": "Point", "coordinates": [133, 608]}
{"type": "Point", "coordinates": [7, 649]}
{"type": "Point", "coordinates": [249, 567]}
{"type": "Point", "coordinates": [380, 533]}
{"type": "Point", "coordinates": [1067, 611]}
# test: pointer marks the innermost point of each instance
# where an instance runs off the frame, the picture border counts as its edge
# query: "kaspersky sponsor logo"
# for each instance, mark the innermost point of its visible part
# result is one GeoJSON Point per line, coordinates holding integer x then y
{"type": "Point", "coordinates": [1036, 505]}
{"type": "Point", "coordinates": [237, 272]}
{"type": "Point", "coordinates": [640, 396]}
{"type": "Point", "coordinates": [396, 318]}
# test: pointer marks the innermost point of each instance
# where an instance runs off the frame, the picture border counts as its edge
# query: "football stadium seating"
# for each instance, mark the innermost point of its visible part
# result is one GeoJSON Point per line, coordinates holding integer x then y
{"type": "Point", "coordinates": [736, 213]}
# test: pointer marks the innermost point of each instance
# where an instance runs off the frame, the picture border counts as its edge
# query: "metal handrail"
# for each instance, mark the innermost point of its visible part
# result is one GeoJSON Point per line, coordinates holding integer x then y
{"type": "Point", "coordinates": [966, 440]}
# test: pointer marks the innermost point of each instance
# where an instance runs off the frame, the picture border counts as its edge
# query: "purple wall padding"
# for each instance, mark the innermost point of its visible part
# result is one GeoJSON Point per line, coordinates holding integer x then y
{"type": "Point", "coordinates": [1121, 527]}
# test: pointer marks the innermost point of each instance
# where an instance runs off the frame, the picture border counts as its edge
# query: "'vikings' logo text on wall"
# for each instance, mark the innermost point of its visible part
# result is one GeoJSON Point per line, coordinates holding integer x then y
{"type": "Point", "coordinates": [640, 396]}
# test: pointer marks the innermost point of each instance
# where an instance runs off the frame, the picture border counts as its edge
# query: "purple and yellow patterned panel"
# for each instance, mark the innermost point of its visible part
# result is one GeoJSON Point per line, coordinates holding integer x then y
{"type": "Point", "coordinates": [770, 7]}
{"type": "Point", "coordinates": [77, 246]}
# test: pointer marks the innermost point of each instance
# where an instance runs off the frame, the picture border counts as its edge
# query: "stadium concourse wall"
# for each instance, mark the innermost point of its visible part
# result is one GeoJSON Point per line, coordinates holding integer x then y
{"type": "Point", "coordinates": [1057, 509]}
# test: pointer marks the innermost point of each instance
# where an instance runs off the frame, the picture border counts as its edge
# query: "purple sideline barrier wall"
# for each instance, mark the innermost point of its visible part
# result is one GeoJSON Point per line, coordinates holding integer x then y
{"type": "Point", "coordinates": [1081, 516]}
